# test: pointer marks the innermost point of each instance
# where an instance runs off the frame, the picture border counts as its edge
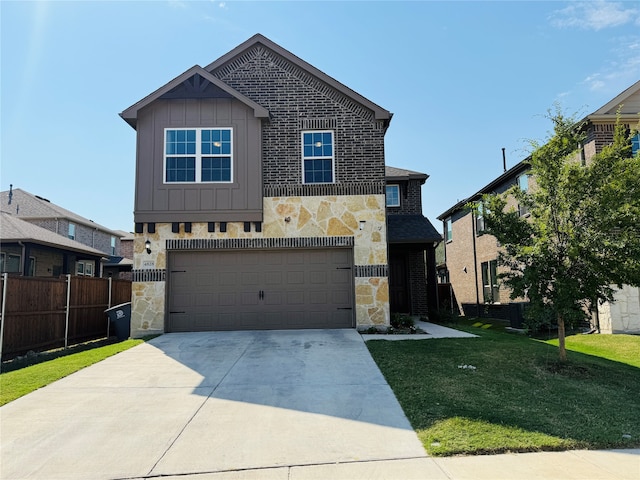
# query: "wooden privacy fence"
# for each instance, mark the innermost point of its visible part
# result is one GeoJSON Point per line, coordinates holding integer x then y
{"type": "Point", "coordinates": [43, 313]}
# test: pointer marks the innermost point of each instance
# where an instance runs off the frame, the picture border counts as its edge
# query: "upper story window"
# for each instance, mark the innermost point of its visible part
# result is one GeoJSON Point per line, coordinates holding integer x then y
{"type": "Point", "coordinates": [635, 144]}
{"type": "Point", "coordinates": [72, 231]}
{"type": "Point", "coordinates": [198, 155]}
{"type": "Point", "coordinates": [448, 230]}
{"type": "Point", "coordinates": [480, 225]}
{"type": "Point", "coordinates": [523, 182]}
{"type": "Point", "coordinates": [317, 157]}
{"type": "Point", "coordinates": [393, 195]}
{"type": "Point", "coordinates": [113, 245]}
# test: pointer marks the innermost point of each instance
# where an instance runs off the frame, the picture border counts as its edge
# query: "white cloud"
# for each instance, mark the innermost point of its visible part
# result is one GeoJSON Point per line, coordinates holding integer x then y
{"type": "Point", "coordinates": [595, 15]}
{"type": "Point", "coordinates": [622, 67]}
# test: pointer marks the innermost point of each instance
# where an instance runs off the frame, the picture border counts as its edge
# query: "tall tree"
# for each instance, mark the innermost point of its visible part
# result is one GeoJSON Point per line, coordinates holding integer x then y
{"type": "Point", "coordinates": [582, 237]}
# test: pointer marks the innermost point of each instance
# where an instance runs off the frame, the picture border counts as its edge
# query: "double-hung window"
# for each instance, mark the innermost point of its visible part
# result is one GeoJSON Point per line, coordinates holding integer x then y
{"type": "Point", "coordinates": [198, 155]}
{"type": "Point", "coordinates": [317, 157]}
{"type": "Point", "coordinates": [635, 144]}
{"type": "Point", "coordinates": [448, 230]}
{"type": "Point", "coordinates": [523, 183]}
{"type": "Point", "coordinates": [490, 288]}
{"type": "Point", "coordinates": [393, 195]}
{"type": "Point", "coordinates": [72, 231]}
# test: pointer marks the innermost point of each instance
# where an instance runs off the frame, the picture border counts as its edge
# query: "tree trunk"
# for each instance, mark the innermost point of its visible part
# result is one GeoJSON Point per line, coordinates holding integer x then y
{"type": "Point", "coordinates": [561, 347]}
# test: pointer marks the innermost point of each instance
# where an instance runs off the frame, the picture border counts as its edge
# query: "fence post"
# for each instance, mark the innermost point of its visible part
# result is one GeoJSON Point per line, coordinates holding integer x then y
{"type": "Point", "coordinates": [110, 287]}
{"type": "Point", "coordinates": [5, 277]}
{"type": "Point", "coordinates": [66, 320]}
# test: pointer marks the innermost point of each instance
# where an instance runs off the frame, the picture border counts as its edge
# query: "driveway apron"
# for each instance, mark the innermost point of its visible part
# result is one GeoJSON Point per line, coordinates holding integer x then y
{"type": "Point", "coordinates": [193, 403]}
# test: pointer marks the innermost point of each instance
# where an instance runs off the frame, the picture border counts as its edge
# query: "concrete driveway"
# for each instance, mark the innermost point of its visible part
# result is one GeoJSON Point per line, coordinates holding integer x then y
{"type": "Point", "coordinates": [271, 404]}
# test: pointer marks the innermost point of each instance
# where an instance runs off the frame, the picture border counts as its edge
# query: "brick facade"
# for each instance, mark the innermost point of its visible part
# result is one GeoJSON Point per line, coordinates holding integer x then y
{"type": "Point", "coordinates": [296, 102]}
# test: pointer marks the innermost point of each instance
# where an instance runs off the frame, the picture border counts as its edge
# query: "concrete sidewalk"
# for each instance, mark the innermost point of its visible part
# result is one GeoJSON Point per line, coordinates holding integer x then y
{"type": "Point", "coordinates": [431, 330]}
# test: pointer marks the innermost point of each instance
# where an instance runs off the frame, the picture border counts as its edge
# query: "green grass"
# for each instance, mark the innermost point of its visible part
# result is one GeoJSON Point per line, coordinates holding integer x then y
{"type": "Point", "coordinates": [618, 348]}
{"type": "Point", "coordinates": [518, 398]}
{"type": "Point", "coordinates": [16, 383]}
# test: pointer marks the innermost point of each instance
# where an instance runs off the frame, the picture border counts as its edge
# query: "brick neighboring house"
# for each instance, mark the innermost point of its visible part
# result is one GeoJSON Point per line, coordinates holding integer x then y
{"type": "Point", "coordinates": [64, 224]}
{"type": "Point", "coordinates": [471, 256]}
{"type": "Point", "coordinates": [29, 250]}
{"type": "Point", "coordinates": [260, 199]}
{"type": "Point", "coordinates": [412, 242]}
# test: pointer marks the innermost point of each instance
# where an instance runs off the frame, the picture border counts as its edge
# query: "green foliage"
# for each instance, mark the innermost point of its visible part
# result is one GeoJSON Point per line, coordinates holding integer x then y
{"type": "Point", "coordinates": [401, 320]}
{"type": "Point", "coordinates": [582, 235]}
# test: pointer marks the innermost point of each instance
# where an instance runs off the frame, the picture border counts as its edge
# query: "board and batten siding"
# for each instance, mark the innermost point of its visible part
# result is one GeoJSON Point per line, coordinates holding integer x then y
{"type": "Point", "coordinates": [240, 200]}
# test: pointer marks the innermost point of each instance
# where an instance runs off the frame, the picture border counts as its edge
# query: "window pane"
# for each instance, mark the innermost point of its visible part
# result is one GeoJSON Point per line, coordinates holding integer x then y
{"type": "Point", "coordinates": [393, 197]}
{"type": "Point", "coordinates": [181, 169]}
{"type": "Point", "coordinates": [216, 169]}
{"type": "Point", "coordinates": [318, 171]}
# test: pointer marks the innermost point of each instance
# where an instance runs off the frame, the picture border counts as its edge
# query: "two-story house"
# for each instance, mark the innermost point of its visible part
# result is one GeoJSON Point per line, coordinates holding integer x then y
{"type": "Point", "coordinates": [471, 255]}
{"type": "Point", "coordinates": [260, 199]}
{"type": "Point", "coordinates": [64, 224]}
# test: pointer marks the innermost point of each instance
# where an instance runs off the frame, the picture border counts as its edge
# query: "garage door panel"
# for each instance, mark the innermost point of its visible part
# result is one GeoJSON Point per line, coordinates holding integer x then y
{"type": "Point", "coordinates": [226, 300]}
{"type": "Point", "coordinates": [273, 298]}
{"type": "Point", "coordinates": [249, 298]}
{"type": "Point", "coordinates": [318, 277]}
{"type": "Point", "coordinates": [220, 290]}
{"type": "Point", "coordinates": [249, 278]}
{"type": "Point", "coordinates": [295, 298]}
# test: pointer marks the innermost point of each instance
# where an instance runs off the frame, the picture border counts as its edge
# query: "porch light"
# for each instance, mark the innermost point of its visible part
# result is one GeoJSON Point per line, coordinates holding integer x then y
{"type": "Point", "coordinates": [147, 246]}
{"type": "Point", "coordinates": [362, 222]}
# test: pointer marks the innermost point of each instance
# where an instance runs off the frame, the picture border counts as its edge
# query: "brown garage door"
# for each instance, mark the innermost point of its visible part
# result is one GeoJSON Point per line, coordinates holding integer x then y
{"type": "Point", "coordinates": [260, 289]}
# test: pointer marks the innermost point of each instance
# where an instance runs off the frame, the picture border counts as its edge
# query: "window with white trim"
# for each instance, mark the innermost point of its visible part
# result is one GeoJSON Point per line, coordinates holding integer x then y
{"type": "Point", "coordinates": [32, 266]}
{"type": "Point", "coordinates": [393, 195]}
{"type": "Point", "coordinates": [198, 155]}
{"type": "Point", "coordinates": [317, 157]}
{"type": "Point", "coordinates": [72, 231]}
{"type": "Point", "coordinates": [113, 245]}
{"type": "Point", "coordinates": [84, 268]}
{"type": "Point", "coordinates": [448, 230]}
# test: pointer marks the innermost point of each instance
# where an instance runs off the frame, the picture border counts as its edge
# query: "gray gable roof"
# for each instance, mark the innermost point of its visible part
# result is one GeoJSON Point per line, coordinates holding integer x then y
{"type": "Point", "coordinates": [397, 174]}
{"type": "Point", "coordinates": [258, 39]}
{"type": "Point", "coordinates": [507, 176]}
{"type": "Point", "coordinates": [16, 230]}
{"type": "Point", "coordinates": [411, 229]}
{"type": "Point", "coordinates": [26, 205]}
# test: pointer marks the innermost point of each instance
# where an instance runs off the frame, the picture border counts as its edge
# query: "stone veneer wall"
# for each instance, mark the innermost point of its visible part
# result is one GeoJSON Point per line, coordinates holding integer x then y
{"type": "Point", "coordinates": [284, 217]}
{"type": "Point", "coordinates": [623, 315]}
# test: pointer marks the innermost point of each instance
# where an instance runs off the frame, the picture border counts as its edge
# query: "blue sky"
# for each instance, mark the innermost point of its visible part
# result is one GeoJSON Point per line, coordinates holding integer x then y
{"type": "Point", "coordinates": [463, 80]}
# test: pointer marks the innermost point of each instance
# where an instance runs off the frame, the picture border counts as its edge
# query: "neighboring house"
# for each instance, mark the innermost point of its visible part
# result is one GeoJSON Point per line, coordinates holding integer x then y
{"type": "Point", "coordinates": [120, 266]}
{"type": "Point", "coordinates": [260, 199]}
{"type": "Point", "coordinates": [29, 250]}
{"type": "Point", "coordinates": [41, 212]}
{"type": "Point", "coordinates": [412, 241]}
{"type": "Point", "coordinates": [471, 256]}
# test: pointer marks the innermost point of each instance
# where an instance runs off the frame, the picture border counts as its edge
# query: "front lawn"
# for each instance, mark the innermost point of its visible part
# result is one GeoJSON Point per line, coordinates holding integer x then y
{"type": "Point", "coordinates": [16, 383]}
{"type": "Point", "coordinates": [503, 392]}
